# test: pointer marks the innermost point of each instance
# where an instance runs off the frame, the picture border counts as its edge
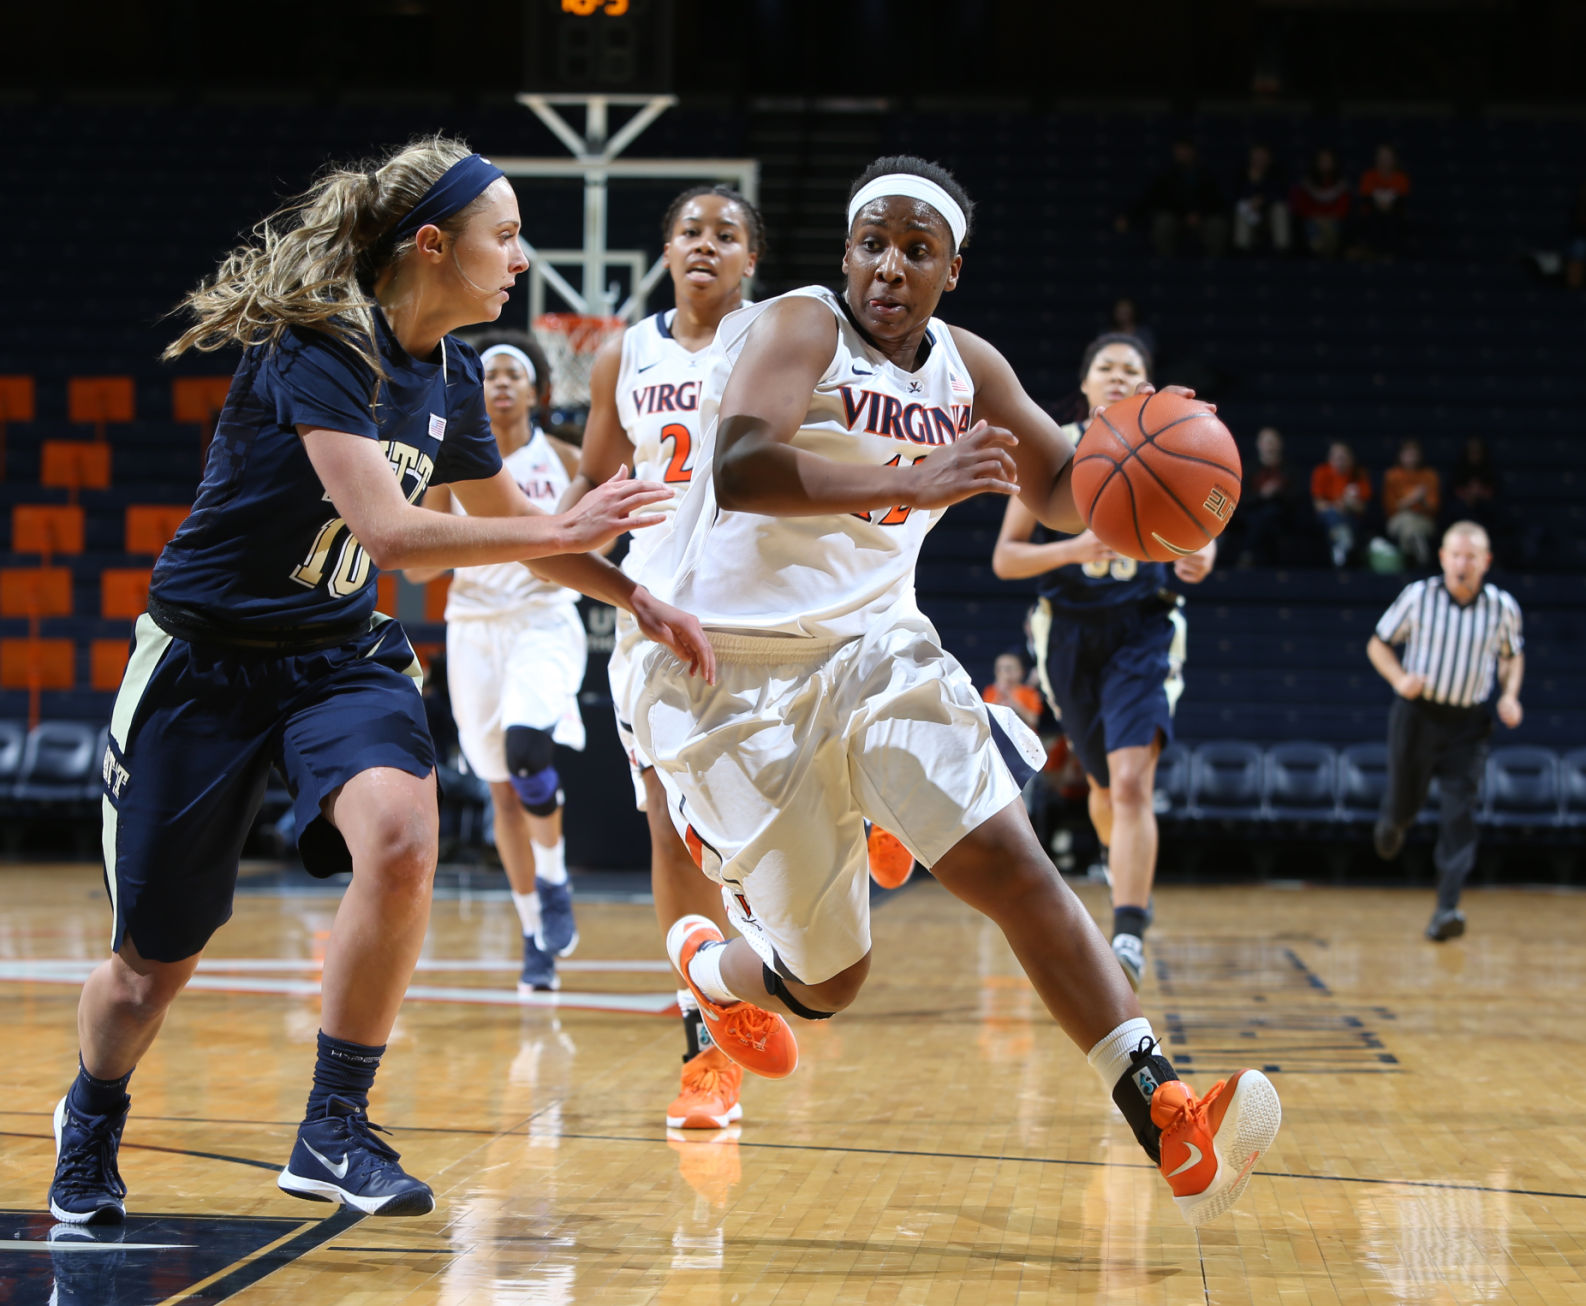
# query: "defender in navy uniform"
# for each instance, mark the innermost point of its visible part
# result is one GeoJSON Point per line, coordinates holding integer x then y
{"type": "Point", "coordinates": [261, 644]}
{"type": "Point", "coordinates": [1109, 641]}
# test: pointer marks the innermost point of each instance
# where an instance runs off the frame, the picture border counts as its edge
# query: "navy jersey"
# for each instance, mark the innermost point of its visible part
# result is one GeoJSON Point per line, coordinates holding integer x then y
{"type": "Point", "coordinates": [1093, 586]}
{"type": "Point", "coordinates": [264, 555]}
{"type": "Point", "coordinates": [1098, 585]}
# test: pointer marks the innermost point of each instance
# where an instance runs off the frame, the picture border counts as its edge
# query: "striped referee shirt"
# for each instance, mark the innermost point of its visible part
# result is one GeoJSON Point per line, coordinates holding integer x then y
{"type": "Point", "coordinates": [1455, 647]}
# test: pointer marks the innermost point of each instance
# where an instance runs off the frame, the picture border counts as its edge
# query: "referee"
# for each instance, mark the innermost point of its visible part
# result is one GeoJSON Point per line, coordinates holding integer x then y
{"type": "Point", "coordinates": [1459, 631]}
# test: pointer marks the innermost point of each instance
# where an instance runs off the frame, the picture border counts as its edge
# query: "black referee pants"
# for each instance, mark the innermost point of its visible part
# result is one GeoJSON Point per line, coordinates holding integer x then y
{"type": "Point", "coordinates": [1427, 739]}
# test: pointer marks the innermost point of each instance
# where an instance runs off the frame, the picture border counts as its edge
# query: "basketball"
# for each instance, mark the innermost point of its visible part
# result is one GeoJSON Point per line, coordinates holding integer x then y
{"type": "Point", "coordinates": [1156, 476]}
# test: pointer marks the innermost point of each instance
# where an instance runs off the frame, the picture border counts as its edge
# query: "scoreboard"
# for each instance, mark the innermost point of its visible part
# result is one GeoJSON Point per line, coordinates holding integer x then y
{"type": "Point", "coordinates": [596, 47]}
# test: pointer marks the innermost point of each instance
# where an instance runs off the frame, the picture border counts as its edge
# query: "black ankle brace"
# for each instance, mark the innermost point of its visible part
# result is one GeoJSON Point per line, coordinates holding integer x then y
{"type": "Point", "coordinates": [774, 984]}
{"type": "Point", "coordinates": [1147, 1072]}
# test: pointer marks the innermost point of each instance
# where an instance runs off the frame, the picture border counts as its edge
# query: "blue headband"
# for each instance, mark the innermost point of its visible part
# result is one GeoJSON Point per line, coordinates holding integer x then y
{"type": "Point", "coordinates": [453, 191]}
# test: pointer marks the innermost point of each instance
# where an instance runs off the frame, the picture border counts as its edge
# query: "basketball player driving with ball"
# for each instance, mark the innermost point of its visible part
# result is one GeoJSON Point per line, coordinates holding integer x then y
{"type": "Point", "coordinates": [837, 429]}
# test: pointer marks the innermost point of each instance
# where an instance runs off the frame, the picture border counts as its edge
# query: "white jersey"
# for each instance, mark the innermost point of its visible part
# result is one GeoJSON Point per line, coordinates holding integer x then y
{"type": "Point", "coordinates": [658, 386]}
{"type": "Point", "coordinates": [827, 576]}
{"type": "Point", "coordinates": [508, 587]}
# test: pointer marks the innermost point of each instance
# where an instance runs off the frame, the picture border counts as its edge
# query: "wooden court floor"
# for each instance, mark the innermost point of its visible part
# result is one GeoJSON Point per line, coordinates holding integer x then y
{"type": "Point", "coordinates": [940, 1143]}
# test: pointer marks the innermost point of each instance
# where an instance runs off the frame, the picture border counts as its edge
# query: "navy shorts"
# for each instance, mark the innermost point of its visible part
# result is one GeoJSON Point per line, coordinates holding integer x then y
{"type": "Point", "coordinates": [1112, 680]}
{"type": "Point", "coordinates": [193, 735]}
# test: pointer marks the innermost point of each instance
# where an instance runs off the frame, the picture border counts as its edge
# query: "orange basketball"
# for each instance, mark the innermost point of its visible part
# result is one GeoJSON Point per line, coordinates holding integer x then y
{"type": "Point", "coordinates": [1156, 476]}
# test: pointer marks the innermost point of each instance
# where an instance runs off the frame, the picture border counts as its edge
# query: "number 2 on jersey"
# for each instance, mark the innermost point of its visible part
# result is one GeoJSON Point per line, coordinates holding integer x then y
{"type": "Point", "coordinates": [677, 469]}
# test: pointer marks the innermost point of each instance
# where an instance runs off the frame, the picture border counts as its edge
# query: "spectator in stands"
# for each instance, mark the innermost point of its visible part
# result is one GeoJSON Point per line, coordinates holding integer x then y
{"type": "Point", "coordinates": [1340, 491]}
{"type": "Point", "coordinates": [1384, 194]}
{"type": "Point", "coordinates": [1412, 495]}
{"type": "Point", "coordinates": [1008, 688]}
{"type": "Point", "coordinates": [1575, 244]}
{"type": "Point", "coordinates": [1269, 504]}
{"type": "Point", "coordinates": [1320, 200]}
{"type": "Point", "coordinates": [1261, 209]}
{"type": "Point", "coordinates": [1182, 206]}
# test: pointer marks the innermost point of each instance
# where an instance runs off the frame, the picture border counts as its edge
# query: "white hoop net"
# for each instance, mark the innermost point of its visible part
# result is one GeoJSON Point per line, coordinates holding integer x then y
{"type": "Point", "coordinates": [570, 341]}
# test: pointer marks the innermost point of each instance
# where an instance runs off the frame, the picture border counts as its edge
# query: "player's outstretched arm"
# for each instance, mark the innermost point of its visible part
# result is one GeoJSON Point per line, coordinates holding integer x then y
{"type": "Point", "coordinates": [438, 498]}
{"type": "Point", "coordinates": [1042, 454]}
{"type": "Point", "coordinates": [399, 535]}
{"type": "Point", "coordinates": [1017, 557]}
{"type": "Point", "coordinates": [500, 498]}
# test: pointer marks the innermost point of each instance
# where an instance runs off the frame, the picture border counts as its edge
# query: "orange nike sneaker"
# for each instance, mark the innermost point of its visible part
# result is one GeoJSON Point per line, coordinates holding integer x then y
{"type": "Point", "coordinates": [709, 1097]}
{"type": "Point", "coordinates": [891, 863]}
{"type": "Point", "coordinates": [1210, 1145]}
{"type": "Point", "coordinates": [756, 1039]}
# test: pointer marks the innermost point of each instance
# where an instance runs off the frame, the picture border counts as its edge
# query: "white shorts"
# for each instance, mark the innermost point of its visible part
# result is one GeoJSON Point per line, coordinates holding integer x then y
{"type": "Point", "coordinates": [771, 773]}
{"type": "Point", "coordinates": [627, 660]}
{"type": "Point", "coordinates": [519, 670]}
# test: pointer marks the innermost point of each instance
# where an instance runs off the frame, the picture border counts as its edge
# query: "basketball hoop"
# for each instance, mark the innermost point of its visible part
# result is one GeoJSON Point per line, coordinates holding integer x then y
{"type": "Point", "coordinates": [570, 341]}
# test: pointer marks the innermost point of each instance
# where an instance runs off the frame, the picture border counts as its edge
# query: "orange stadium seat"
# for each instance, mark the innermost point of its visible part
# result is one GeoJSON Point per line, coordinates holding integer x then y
{"type": "Point", "coordinates": [198, 398]}
{"type": "Point", "coordinates": [36, 664]}
{"type": "Point", "coordinates": [385, 593]}
{"type": "Point", "coordinates": [108, 662]}
{"type": "Point", "coordinates": [17, 395]}
{"type": "Point", "coordinates": [75, 464]}
{"type": "Point", "coordinates": [99, 400]}
{"type": "Point", "coordinates": [123, 592]}
{"type": "Point", "coordinates": [435, 598]}
{"type": "Point", "coordinates": [151, 525]}
{"type": "Point", "coordinates": [46, 528]}
{"type": "Point", "coordinates": [35, 592]}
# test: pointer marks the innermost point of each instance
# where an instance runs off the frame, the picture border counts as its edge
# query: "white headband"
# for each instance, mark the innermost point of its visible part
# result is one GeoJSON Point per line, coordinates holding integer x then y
{"type": "Point", "coordinates": [511, 351]}
{"type": "Point", "coordinates": [914, 188]}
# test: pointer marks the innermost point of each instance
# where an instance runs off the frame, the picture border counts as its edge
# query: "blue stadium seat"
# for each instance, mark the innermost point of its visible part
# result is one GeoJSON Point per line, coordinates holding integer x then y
{"type": "Point", "coordinates": [57, 761]}
{"type": "Point", "coordinates": [1173, 781]}
{"type": "Point", "coordinates": [1522, 786]}
{"type": "Point", "coordinates": [1225, 781]}
{"type": "Point", "coordinates": [12, 737]}
{"type": "Point", "coordinates": [1362, 780]}
{"type": "Point", "coordinates": [1300, 781]}
{"type": "Point", "coordinates": [1572, 787]}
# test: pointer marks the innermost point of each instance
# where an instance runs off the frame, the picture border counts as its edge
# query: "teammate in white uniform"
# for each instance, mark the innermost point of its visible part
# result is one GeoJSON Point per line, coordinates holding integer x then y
{"type": "Point", "coordinates": [837, 429]}
{"type": "Point", "coordinates": [515, 655]}
{"type": "Point", "coordinates": [644, 413]}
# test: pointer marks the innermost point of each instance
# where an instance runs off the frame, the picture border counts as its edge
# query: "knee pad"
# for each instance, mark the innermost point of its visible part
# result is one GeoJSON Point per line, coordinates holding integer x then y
{"type": "Point", "coordinates": [533, 777]}
{"type": "Point", "coordinates": [774, 984]}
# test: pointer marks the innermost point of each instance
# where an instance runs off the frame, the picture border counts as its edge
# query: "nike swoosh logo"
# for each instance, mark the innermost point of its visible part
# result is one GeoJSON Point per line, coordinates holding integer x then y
{"type": "Point", "coordinates": [648, 366]}
{"type": "Point", "coordinates": [1166, 544]}
{"type": "Point", "coordinates": [1194, 1160]}
{"type": "Point", "coordinates": [340, 1171]}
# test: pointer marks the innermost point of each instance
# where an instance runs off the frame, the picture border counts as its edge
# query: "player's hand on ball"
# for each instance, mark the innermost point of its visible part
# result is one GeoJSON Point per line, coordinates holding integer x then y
{"type": "Point", "coordinates": [1146, 388]}
{"type": "Point", "coordinates": [1410, 685]}
{"type": "Point", "coordinates": [678, 631]}
{"type": "Point", "coordinates": [979, 463]}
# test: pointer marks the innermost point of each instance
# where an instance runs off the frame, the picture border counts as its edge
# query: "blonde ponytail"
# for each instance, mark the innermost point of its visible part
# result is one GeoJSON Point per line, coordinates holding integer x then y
{"type": "Point", "coordinates": [314, 261]}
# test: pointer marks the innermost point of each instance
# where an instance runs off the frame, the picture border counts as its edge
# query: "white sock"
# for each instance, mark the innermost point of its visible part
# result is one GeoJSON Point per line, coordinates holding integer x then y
{"type": "Point", "coordinates": [550, 862]}
{"type": "Point", "coordinates": [685, 1001]}
{"type": "Point", "coordinates": [705, 971]}
{"type": "Point", "coordinates": [1112, 1055]}
{"type": "Point", "coordinates": [528, 905]}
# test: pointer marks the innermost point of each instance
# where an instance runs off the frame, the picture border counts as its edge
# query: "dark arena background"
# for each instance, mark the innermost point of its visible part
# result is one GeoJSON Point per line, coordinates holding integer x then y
{"type": "Point", "coordinates": [1107, 149]}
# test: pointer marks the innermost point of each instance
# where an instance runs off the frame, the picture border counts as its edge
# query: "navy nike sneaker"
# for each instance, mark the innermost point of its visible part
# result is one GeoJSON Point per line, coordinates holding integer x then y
{"type": "Point", "coordinates": [337, 1158]}
{"type": "Point", "coordinates": [558, 932]}
{"type": "Point", "coordinates": [87, 1187]}
{"type": "Point", "coordinates": [539, 969]}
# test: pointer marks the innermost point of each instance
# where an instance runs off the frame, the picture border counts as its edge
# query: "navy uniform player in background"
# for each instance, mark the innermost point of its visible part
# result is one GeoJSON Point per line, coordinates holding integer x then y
{"type": "Point", "coordinates": [1109, 648]}
{"type": "Point", "coordinates": [261, 644]}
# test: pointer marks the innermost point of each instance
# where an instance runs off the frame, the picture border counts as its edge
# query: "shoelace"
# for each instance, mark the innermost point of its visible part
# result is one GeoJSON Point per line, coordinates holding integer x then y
{"type": "Point", "coordinates": [706, 1081]}
{"type": "Point", "coordinates": [755, 1026]}
{"type": "Point", "coordinates": [91, 1165]}
{"type": "Point", "coordinates": [365, 1129]}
